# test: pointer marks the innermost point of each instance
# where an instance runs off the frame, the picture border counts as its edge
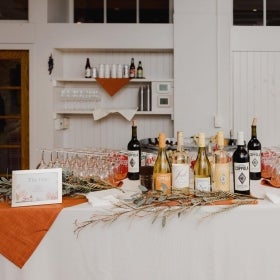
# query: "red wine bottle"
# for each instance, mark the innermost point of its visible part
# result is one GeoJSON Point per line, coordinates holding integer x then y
{"type": "Point", "coordinates": [134, 155]}
{"type": "Point", "coordinates": [88, 69]}
{"type": "Point", "coordinates": [240, 159]}
{"type": "Point", "coordinates": [254, 149]}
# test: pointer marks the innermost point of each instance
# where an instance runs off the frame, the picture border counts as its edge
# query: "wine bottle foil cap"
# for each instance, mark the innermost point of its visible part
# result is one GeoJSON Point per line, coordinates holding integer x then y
{"type": "Point", "coordinates": [161, 140]}
{"type": "Point", "coordinates": [201, 139]}
{"type": "Point", "coordinates": [220, 138]}
{"type": "Point", "coordinates": [180, 138]}
{"type": "Point", "coordinates": [254, 123]}
{"type": "Point", "coordinates": [240, 138]}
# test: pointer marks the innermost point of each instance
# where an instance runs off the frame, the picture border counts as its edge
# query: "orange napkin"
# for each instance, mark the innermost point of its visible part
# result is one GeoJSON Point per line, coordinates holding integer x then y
{"type": "Point", "coordinates": [111, 85]}
{"type": "Point", "coordinates": [23, 228]}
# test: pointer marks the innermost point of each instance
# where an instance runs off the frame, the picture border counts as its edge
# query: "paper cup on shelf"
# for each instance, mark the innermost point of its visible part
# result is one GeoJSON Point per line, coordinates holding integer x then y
{"type": "Point", "coordinates": [114, 71]}
{"type": "Point", "coordinates": [107, 71]}
{"type": "Point", "coordinates": [119, 71]}
{"type": "Point", "coordinates": [101, 72]}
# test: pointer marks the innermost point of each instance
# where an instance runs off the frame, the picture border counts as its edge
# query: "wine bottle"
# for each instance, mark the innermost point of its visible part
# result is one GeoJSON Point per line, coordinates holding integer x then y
{"type": "Point", "coordinates": [162, 169]}
{"type": "Point", "coordinates": [241, 174]}
{"type": "Point", "coordinates": [231, 141]}
{"type": "Point", "coordinates": [134, 155]}
{"type": "Point", "coordinates": [139, 73]}
{"type": "Point", "coordinates": [132, 69]}
{"type": "Point", "coordinates": [221, 166]}
{"type": "Point", "coordinates": [254, 150]}
{"type": "Point", "coordinates": [180, 164]}
{"type": "Point", "coordinates": [87, 69]}
{"type": "Point", "coordinates": [202, 167]}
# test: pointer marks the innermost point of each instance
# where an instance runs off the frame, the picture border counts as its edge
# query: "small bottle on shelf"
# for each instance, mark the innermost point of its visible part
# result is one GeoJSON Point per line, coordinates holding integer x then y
{"type": "Point", "coordinates": [139, 73]}
{"type": "Point", "coordinates": [88, 69]}
{"type": "Point", "coordinates": [180, 164]}
{"type": "Point", "coordinates": [202, 167]}
{"type": "Point", "coordinates": [241, 174]}
{"type": "Point", "coordinates": [134, 155]}
{"type": "Point", "coordinates": [221, 166]}
{"type": "Point", "coordinates": [162, 169]}
{"type": "Point", "coordinates": [254, 150]}
{"type": "Point", "coordinates": [132, 69]}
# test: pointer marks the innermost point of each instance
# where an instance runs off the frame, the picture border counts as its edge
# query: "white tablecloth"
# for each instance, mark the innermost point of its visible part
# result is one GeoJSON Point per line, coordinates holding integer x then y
{"type": "Point", "coordinates": [239, 244]}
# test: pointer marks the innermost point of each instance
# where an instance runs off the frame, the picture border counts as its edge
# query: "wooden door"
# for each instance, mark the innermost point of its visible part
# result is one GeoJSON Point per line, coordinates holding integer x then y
{"type": "Point", "coordinates": [14, 111]}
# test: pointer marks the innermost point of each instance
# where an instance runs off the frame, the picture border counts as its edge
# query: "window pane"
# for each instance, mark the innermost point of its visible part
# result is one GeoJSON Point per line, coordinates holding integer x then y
{"type": "Point", "coordinates": [10, 160]}
{"type": "Point", "coordinates": [89, 11]}
{"type": "Point", "coordinates": [121, 11]}
{"type": "Point", "coordinates": [154, 11]}
{"type": "Point", "coordinates": [273, 12]}
{"type": "Point", "coordinates": [249, 12]}
{"type": "Point", "coordinates": [9, 72]}
{"type": "Point", "coordinates": [9, 102]}
{"type": "Point", "coordinates": [9, 132]}
{"type": "Point", "coordinates": [14, 10]}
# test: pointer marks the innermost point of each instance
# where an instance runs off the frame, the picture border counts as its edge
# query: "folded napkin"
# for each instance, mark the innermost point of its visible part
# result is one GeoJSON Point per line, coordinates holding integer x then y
{"type": "Point", "coordinates": [103, 112]}
{"type": "Point", "coordinates": [23, 228]}
{"type": "Point", "coordinates": [108, 198]}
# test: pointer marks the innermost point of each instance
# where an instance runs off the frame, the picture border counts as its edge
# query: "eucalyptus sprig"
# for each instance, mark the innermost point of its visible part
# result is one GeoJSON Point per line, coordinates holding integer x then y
{"type": "Point", "coordinates": [161, 206]}
{"type": "Point", "coordinates": [71, 185]}
{"type": "Point", "coordinates": [5, 189]}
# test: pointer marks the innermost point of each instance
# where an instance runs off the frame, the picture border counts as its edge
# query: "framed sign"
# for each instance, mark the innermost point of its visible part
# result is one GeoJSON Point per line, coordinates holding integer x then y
{"type": "Point", "coordinates": [36, 187]}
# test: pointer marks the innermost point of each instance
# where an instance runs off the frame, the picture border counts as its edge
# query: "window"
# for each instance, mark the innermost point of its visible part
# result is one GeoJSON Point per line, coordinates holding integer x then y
{"type": "Point", "coordinates": [156, 11]}
{"type": "Point", "coordinates": [123, 11]}
{"type": "Point", "coordinates": [256, 12]}
{"type": "Point", "coordinates": [273, 12]}
{"type": "Point", "coordinates": [14, 10]}
{"type": "Point", "coordinates": [14, 111]}
{"type": "Point", "coordinates": [89, 11]}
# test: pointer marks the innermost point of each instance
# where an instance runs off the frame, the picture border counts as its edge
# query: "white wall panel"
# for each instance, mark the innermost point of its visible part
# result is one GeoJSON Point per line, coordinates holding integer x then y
{"type": "Point", "coordinates": [113, 131]}
{"type": "Point", "coordinates": [256, 93]}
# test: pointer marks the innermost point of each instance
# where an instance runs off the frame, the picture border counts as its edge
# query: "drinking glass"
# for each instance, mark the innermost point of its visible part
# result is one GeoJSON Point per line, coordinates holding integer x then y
{"type": "Point", "coordinates": [275, 175]}
{"type": "Point", "coordinates": [42, 164]}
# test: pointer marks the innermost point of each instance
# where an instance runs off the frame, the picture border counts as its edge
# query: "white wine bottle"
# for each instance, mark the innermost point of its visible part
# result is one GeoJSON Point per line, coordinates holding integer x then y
{"type": "Point", "coordinates": [202, 167]}
{"type": "Point", "coordinates": [180, 165]}
{"type": "Point", "coordinates": [162, 168]}
{"type": "Point", "coordinates": [241, 174]}
{"type": "Point", "coordinates": [254, 150]}
{"type": "Point", "coordinates": [221, 166]}
{"type": "Point", "coordinates": [134, 155]}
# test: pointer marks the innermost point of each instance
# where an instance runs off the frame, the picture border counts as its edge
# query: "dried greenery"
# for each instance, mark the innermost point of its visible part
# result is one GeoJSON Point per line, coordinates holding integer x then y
{"type": "Point", "coordinates": [162, 207]}
{"type": "Point", "coordinates": [71, 185]}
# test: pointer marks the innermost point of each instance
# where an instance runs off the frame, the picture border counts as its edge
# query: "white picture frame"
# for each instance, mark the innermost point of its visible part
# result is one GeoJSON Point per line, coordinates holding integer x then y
{"type": "Point", "coordinates": [36, 187]}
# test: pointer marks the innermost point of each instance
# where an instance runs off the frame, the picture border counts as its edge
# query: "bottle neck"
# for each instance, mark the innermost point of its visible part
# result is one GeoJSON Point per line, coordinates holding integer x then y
{"type": "Point", "coordinates": [134, 132]}
{"type": "Point", "coordinates": [254, 131]}
{"type": "Point", "coordinates": [201, 151]}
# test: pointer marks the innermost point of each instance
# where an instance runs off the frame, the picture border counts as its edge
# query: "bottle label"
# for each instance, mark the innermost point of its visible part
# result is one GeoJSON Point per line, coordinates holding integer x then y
{"type": "Point", "coordinates": [162, 182]}
{"type": "Point", "coordinates": [202, 184]}
{"type": "Point", "coordinates": [139, 73]}
{"type": "Point", "coordinates": [133, 161]}
{"type": "Point", "coordinates": [88, 73]}
{"type": "Point", "coordinates": [222, 177]}
{"type": "Point", "coordinates": [132, 73]}
{"type": "Point", "coordinates": [180, 175]}
{"type": "Point", "coordinates": [241, 176]}
{"type": "Point", "coordinates": [255, 161]}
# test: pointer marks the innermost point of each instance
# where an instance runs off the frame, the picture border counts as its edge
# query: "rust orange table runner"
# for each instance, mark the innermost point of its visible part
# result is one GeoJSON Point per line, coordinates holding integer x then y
{"type": "Point", "coordinates": [23, 228]}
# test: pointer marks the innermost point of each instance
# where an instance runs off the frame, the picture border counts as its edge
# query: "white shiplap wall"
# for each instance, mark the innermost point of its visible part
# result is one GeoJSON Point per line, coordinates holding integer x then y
{"type": "Point", "coordinates": [113, 131]}
{"type": "Point", "coordinates": [256, 93]}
